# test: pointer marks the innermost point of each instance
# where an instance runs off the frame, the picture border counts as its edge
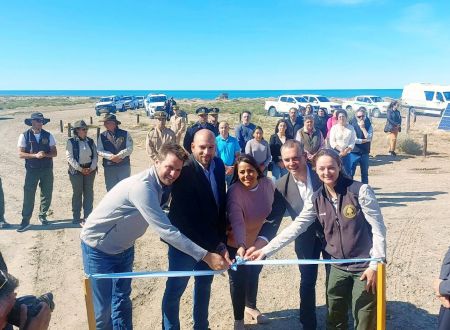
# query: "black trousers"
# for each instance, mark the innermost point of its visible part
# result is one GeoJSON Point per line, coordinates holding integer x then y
{"type": "Point", "coordinates": [444, 318]}
{"type": "Point", "coordinates": [243, 286]}
{"type": "Point", "coordinates": [308, 246]}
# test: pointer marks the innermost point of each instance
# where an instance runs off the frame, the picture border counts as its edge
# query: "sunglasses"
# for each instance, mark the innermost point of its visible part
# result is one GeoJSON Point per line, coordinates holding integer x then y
{"type": "Point", "coordinates": [3, 279]}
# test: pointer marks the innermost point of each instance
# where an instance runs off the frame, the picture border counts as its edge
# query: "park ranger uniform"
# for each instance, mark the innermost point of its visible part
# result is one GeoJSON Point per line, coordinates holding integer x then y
{"type": "Point", "coordinates": [156, 138]}
{"type": "Point", "coordinates": [179, 125]}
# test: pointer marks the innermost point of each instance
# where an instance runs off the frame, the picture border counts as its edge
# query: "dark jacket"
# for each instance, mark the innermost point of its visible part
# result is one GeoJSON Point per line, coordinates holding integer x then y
{"type": "Point", "coordinates": [33, 147]}
{"type": "Point", "coordinates": [320, 123]}
{"type": "Point", "coordinates": [275, 147]}
{"type": "Point", "coordinates": [347, 233]}
{"type": "Point", "coordinates": [120, 135]}
{"type": "Point", "coordinates": [444, 287]}
{"type": "Point", "coordinates": [244, 134]}
{"type": "Point", "coordinates": [291, 130]}
{"type": "Point", "coordinates": [189, 137]}
{"type": "Point", "coordinates": [193, 209]}
{"type": "Point", "coordinates": [393, 119]}
{"type": "Point", "coordinates": [361, 148]}
{"type": "Point", "coordinates": [287, 198]}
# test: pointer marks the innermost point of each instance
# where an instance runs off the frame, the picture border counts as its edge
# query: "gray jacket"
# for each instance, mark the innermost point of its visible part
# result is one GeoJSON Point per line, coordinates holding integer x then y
{"type": "Point", "coordinates": [125, 213]}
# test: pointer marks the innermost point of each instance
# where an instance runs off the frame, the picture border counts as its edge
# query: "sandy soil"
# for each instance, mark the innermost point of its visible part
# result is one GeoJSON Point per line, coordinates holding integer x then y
{"type": "Point", "coordinates": [413, 193]}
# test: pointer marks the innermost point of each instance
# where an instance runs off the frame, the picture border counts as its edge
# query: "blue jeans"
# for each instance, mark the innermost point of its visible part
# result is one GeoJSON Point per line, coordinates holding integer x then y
{"type": "Point", "coordinates": [112, 303]}
{"type": "Point", "coordinates": [346, 164]}
{"type": "Point", "coordinates": [175, 287]}
{"type": "Point", "coordinates": [277, 171]}
{"type": "Point", "coordinates": [115, 174]}
{"type": "Point", "coordinates": [363, 161]}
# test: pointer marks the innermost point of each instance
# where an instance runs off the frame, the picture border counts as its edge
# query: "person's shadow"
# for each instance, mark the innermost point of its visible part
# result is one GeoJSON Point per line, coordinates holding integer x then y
{"type": "Point", "coordinates": [52, 225]}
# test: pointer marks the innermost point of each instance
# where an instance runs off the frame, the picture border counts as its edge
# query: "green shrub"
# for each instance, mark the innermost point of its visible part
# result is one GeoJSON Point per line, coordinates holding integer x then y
{"type": "Point", "coordinates": [408, 146]}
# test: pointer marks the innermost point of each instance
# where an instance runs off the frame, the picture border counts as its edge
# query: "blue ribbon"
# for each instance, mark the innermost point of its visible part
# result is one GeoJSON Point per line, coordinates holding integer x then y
{"type": "Point", "coordinates": [239, 262]}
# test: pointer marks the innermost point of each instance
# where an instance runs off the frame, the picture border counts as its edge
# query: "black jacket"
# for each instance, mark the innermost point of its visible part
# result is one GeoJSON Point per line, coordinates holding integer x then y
{"type": "Point", "coordinates": [189, 137]}
{"type": "Point", "coordinates": [193, 209]}
{"type": "Point", "coordinates": [393, 119]}
{"type": "Point", "coordinates": [292, 129]}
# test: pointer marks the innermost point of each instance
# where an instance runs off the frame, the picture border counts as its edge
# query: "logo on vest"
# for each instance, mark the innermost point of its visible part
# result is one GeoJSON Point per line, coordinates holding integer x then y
{"type": "Point", "coordinates": [349, 211]}
{"type": "Point", "coordinates": [44, 141]}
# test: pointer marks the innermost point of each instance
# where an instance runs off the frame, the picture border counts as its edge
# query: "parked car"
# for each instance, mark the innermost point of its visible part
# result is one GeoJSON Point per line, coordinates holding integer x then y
{"type": "Point", "coordinates": [286, 102]}
{"type": "Point", "coordinates": [154, 102]}
{"type": "Point", "coordinates": [108, 104]}
{"type": "Point", "coordinates": [130, 102]}
{"type": "Point", "coordinates": [140, 100]}
{"type": "Point", "coordinates": [322, 102]}
{"type": "Point", "coordinates": [426, 98]}
{"type": "Point", "coordinates": [371, 104]}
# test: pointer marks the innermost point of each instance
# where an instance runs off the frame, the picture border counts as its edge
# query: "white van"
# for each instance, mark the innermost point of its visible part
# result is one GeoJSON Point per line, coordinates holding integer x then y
{"type": "Point", "coordinates": [426, 98]}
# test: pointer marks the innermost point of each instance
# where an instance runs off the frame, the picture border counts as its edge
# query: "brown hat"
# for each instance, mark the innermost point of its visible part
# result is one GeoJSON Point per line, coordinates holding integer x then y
{"type": "Point", "coordinates": [110, 117]}
{"type": "Point", "coordinates": [160, 115]}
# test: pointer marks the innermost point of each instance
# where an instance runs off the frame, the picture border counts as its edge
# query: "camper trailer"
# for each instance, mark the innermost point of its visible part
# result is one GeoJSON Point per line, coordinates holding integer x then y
{"type": "Point", "coordinates": [426, 98]}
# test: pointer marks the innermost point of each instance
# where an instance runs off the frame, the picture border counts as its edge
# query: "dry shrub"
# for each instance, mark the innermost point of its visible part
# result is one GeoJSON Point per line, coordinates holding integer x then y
{"type": "Point", "coordinates": [408, 146]}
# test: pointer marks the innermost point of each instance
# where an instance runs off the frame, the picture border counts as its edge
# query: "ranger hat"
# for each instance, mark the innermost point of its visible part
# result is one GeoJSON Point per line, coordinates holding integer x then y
{"type": "Point", "coordinates": [202, 111]}
{"type": "Point", "coordinates": [110, 117]}
{"type": "Point", "coordinates": [214, 111]}
{"type": "Point", "coordinates": [159, 115]}
{"type": "Point", "coordinates": [37, 116]}
{"type": "Point", "coordinates": [79, 124]}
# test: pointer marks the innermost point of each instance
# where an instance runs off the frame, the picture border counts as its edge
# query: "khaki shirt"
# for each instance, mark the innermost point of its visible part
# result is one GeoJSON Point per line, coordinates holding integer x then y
{"type": "Point", "coordinates": [179, 124]}
{"type": "Point", "coordinates": [155, 139]}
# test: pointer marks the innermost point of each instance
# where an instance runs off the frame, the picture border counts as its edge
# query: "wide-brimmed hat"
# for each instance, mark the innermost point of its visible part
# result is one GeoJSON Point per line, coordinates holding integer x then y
{"type": "Point", "coordinates": [79, 124]}
{"type": "Point", "coordinates": [214, 111]}
{"type": "Point", "coordinates": [202, 111]}
{"type": "Point", "coordinates": [110, 117]}
{"type": "Point", "coordinates": [160, 115]}
{"type": "Point", "coordinates": [37, 116]}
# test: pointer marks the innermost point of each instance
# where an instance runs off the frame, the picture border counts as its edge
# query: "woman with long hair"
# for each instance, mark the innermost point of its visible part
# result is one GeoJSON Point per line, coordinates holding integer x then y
{"type": "Point", "coordinates": [353, 228]}
{"type": "Point", "coordinates": [343, 139]}
{"type": "Point", "coordinates": [393, 125]}
{"type": "Point", "coordinates": [275, 143]}
{"type": "Point", "coordinates": [259, 149]}
{"type": "Point", "coordinates": [249, 202]}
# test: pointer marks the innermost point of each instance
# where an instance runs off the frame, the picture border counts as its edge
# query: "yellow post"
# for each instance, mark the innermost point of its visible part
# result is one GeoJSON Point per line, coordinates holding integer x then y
{"type": "Point", "coordinates": [89, 304]}
{"type": "Point", "coordinates": [381, 296]}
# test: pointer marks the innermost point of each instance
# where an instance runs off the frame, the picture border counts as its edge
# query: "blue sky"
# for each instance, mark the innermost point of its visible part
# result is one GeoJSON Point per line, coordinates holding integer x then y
{"type": "Point", "coordinates": [229, 44]}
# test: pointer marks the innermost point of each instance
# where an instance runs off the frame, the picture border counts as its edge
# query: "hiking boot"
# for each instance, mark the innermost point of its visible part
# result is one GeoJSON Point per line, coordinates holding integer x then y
{"type": "Point", "coordinates": [23, 227]}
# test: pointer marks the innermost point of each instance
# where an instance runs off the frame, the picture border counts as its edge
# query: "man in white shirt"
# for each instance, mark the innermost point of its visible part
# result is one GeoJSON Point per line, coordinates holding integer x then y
{"type": "Point", "coordinates": [37, 147]}
{"type": "Point", "coordinates": [293, 191]}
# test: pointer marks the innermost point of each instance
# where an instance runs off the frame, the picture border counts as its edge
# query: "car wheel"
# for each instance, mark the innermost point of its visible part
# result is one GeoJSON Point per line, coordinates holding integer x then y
{"type": "Point", "coordinates": [97, 113]}
{"type": "Point", "coordinates": [273, 112]}
{"type": "Point", "coordinates": [376, 113]}
{"type": "Point", "coordinates": [349, 108]}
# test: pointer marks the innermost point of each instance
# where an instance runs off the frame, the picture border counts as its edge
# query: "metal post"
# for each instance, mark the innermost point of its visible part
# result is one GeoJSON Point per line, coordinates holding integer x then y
{"type": "Point", "coordinates": [408, 121]}
{"type": "Point", "coordinates": [61, 126]}
{"type": "Point", "coordinates": [425, 144]}
{"type": "Point", "coordinates": [381, 296]}
{"type": "Point", "coordinates": [98, 133]}
{"type": "Point", "coordinates": [137, 118]}
{"type": "Point", "coordinates": [69, 130]}
{"type": "Point", "coordinates": [89, 304]}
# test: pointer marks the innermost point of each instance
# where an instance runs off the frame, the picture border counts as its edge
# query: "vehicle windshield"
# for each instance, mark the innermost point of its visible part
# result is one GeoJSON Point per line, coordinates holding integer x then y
{"type": "Point", "coordinates": [300, 99]}
{"type": "Point", "coordinates": [323, 99]}
{"type": "Point", "coordinates": [126, 98]}
{"type": "Point", "coordinates": [106, 99]}
{"type": "Point", "coordinates": [157, 99]}
{"type": "Point", "coordinates": [376, 99]}
{"type": "Point", "coordinates": [447, 96]}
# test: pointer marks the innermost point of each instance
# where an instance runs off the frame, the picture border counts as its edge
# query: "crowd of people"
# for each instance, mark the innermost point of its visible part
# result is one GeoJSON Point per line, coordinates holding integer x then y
{"type": "Point", "coordinates": [220, 204]}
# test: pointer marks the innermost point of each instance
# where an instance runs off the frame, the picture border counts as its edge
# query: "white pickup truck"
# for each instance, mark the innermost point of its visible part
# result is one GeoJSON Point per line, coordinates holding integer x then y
{"type": "Point", "coordinates": [371, 104]}
{"type": "Point", "coordinates": [154, 102]}
{"type": "Point", "coordinates": [322, 102]}
{"type": "Point", "coordinates": [109, 104]}
{"type": "Point", "coordinates": [286, 102]}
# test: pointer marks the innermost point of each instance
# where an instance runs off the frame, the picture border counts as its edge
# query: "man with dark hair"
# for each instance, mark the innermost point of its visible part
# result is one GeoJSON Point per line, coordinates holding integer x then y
{"type": "Point", "coordinates": [294, 123]}
{"type": "Point", "coordinates": [123, 215]}
{"type": "Point", "coordinates": [213, 118]}
{"type": "Point", "coordinates": [37, 147]}
{"type": "Point", "coordinates": [244, 131]}
{"type": "Point", "coordinates": [115, 145]}
{"type": "Point", "coordinates": [202, 122]}
{"type": "Point", "coordinates": [198, 210]}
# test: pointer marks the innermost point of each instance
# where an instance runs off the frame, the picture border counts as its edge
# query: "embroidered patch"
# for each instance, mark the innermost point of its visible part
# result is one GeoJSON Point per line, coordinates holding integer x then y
{"type": "Point", "coordinates": [44, 141]}
{"type": "Point", "coordinates": [349, 211]}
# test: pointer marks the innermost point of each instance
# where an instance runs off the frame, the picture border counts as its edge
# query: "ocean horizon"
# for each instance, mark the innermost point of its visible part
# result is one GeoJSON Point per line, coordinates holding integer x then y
{"type": "Point", "coordinates": [208, 94]}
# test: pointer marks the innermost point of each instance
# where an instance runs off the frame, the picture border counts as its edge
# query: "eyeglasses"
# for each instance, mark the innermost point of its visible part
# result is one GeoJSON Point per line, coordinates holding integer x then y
{"type": "Point", "coordinates": [3, 278]}
{"type": "Point", "coordinates": [359, 117]}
